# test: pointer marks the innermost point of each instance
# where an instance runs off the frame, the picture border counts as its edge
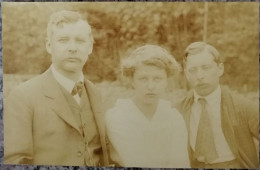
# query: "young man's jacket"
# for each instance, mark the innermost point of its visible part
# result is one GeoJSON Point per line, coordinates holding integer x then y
{"type": "Point", "coordinates": [240, 124]}
{"type": "Point", "coordinates": [39, 126]}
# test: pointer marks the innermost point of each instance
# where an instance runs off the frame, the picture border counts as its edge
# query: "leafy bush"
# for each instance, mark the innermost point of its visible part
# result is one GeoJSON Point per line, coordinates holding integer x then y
{"type": "Point", "coordinates": [120, 27]}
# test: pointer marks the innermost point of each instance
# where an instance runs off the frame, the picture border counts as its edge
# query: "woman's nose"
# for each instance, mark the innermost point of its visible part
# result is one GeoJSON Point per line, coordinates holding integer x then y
{"type": "Point", "coordinates": [150, 84]}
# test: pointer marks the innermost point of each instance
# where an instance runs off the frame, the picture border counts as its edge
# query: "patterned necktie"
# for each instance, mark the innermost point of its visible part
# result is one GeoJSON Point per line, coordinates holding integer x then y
{"type": "Point", "coordinates": [205, 150]}
{"type": "Point", "coordinates": [77, 89]}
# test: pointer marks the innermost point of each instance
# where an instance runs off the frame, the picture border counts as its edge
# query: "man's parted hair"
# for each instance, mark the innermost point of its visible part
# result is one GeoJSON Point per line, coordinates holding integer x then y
{"type": "Point", "coordinates": [58, 19]}
{"type": "Point", "coordinates": [149, 55]}
{"type": "Point", "coordinates": [198, 47]}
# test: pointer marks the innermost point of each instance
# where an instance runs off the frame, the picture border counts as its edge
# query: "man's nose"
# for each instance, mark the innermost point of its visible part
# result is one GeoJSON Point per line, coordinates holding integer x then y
{"type": "Point", "coordinates": [72, 47]}
{"type": "Point", "coordinates": [200, 74]}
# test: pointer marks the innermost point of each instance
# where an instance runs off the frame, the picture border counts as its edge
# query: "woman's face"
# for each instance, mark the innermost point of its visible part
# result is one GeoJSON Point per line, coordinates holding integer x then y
{"type": "Point", "coordinates": [150, 83]}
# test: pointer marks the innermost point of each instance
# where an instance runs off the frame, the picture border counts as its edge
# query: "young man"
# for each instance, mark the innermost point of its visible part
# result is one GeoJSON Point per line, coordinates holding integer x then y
{"type": "Point", "coordinates": [222, 127]}
{"type": "Point", "coordinates": [56, 118]}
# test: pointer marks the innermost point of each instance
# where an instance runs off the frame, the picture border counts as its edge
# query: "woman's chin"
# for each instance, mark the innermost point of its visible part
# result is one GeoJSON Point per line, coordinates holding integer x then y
{"type": "Point", "coordinates": [153, 101]}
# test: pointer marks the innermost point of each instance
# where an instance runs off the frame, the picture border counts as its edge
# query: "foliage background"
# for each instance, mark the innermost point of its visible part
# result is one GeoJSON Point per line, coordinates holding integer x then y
{"type": "Point", "coordinates": [120, 27]}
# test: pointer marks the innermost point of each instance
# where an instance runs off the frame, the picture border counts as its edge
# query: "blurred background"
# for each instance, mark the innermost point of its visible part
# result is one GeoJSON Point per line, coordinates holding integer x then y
{"type": "Point", "coordinates": [120, 27]}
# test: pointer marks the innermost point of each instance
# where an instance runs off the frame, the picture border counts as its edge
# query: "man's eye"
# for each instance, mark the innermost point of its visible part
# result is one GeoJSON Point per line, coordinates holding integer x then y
{"type": "Point", "coordinates": [63, 40]}
{"type": "Point", "coordinates": [80, 40]}
{"type": "Point", "coordinates": [206, 67]}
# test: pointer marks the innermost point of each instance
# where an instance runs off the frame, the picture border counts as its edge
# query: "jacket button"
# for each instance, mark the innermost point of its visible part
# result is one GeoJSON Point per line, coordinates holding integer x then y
{"type": "Point", "coordinates": [79, 153]}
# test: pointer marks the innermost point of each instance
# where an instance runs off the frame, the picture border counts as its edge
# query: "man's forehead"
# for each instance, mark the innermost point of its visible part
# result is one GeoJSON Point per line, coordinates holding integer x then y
{"type": "Point", "coordinates": [201, 57]}
{"type": "Point", "coordinates": [77, 22]}
{"type": "Point", "coordinates": [79, 27]}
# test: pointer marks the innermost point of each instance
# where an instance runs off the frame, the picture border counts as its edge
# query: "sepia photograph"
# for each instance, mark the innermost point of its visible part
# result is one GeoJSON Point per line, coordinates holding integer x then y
{"type": "Point", "coordinates": [130, 84]}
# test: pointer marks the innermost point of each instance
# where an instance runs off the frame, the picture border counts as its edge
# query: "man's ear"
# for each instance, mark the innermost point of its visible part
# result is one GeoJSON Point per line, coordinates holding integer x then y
{"type": "Point", "coordinates": [221, 69]}
{"type": "Point", "coordinates": [90, 48]}
{"type": "Point", "coordinates": [48, 45]}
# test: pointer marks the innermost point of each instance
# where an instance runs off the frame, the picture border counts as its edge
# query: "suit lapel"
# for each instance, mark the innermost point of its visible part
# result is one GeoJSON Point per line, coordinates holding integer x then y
{"type": "Point", "coordinates": [95, 102]}
{"type": "Point", "coordinates": [228, 120]}
{"type": "Point", "coordinates": [57, 101]}
{"type": "Point", "coordinates": [186, 109]}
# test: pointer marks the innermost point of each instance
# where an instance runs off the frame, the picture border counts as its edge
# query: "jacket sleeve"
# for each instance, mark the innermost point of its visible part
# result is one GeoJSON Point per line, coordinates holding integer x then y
{"type": "Point", "coordinates": [18, 142]}
{"type": "Point", "coordinates": [114, 159]}
{"type": "Point", "coordinates": [250, 113]}
{"type": "Point", "coordinates": [97, 106]}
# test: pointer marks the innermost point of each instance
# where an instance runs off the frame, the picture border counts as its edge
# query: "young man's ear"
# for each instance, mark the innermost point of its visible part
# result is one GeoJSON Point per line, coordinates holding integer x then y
{"type": "Point", "coordinates": [48, 45]}
{"type": "Point", "coordinates": [131, 82]}
{"type": "Point", "coordinates": [186, 74]}
{"type": "Point", "coordinates": [221, 69]}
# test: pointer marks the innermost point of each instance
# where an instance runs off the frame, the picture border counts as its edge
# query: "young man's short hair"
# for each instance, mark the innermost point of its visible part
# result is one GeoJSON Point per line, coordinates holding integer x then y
{"type": "Point", "coordinates": [198, 47]}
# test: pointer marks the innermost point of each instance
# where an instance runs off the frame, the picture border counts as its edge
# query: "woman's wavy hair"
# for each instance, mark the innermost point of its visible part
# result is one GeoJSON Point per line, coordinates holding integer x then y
{"type": "Point", "coordinates": [153, 55]}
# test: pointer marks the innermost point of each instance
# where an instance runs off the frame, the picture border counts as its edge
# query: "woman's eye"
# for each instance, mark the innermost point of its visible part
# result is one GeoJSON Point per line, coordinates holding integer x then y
{"type": "Point", "coordinates": [157, 78]}
{"type": "Point", "coordinates": [143, 78]}
{"type": "Point", "coordinates": [192, 70]}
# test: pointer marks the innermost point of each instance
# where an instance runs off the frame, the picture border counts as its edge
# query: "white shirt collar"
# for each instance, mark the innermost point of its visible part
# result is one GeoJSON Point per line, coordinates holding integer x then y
{"type": "Point", "coordinates": [212, 98]}
{"type": "Point", "coordinates": [68, 84]}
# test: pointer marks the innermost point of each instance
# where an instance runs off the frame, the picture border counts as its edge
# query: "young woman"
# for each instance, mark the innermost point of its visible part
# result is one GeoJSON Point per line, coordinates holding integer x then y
{"type": "Point", "coordinates": [145, 131]}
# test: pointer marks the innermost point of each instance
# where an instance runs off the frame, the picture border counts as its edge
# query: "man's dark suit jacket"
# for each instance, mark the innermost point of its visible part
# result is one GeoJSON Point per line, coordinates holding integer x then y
{"type": "Point", "coordinates": [39, 127]}
{"type": "Point", "coordinates": [240, 123]}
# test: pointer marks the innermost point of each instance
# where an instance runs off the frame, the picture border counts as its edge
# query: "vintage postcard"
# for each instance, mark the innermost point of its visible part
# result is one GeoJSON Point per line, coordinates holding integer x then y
{"type": "Point", "coordinates": [131, 84]}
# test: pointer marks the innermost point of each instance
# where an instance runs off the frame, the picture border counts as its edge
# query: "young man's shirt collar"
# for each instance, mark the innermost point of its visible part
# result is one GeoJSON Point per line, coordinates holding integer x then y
{"type": "Point", "coordinates": [212, 98]}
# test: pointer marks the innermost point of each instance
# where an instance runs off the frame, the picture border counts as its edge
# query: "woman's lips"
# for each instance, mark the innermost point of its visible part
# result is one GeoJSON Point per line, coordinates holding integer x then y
{"type": "Point", "coordinates": [150, 94]}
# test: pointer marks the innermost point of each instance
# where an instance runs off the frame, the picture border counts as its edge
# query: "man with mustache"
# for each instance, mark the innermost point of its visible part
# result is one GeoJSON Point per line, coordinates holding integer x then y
{"type": "Point", "coordinates": [223, 128]}
{"type": "Point", "coordinates": [56, 117]}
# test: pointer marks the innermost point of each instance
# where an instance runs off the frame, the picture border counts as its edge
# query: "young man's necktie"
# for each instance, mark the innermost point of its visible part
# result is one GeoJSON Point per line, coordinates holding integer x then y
{"type": "Point", "coordinates": [205, 149]}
